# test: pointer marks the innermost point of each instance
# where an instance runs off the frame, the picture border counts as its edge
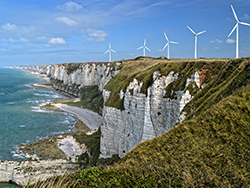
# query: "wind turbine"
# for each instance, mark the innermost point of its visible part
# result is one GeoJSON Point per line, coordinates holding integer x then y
{"type": "Point", "coordinates": [144, 47]}
{"type": "Point", "coordinates": [237, 31]}
{"type": "Point", "coordinates": [110, 50]}
{"type": "Point", "coordinates": [168, 43]}
{"type": "Point", "coordinates": [195, 36]}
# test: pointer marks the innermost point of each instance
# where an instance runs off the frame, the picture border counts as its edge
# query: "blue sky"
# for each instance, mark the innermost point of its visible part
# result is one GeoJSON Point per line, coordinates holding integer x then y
{"type": "Point", "coordinates": [41, 32]}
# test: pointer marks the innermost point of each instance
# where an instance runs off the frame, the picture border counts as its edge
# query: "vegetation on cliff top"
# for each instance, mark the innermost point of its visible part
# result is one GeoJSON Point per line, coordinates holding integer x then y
{"type": "Point", "coordinates": [72, 67]}
{"type": "Point", "coordinates": [142, 69]}
{"type": "Point", "coordinates": [210, 150]}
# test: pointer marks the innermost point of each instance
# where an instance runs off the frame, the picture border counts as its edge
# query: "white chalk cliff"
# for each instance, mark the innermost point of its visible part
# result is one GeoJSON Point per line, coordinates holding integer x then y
{"type": "Point", "coordinates": [87, 74]}
{"type": "Point", "coordinates": [144, 117]}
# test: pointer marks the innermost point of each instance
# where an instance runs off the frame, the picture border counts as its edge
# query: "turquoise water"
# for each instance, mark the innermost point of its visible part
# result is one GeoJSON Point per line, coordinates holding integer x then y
{"type": "Point", "coordinates": [21, 119]}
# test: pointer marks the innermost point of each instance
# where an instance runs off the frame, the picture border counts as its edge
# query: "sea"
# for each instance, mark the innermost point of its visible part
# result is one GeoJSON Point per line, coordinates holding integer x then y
{"type": "Point", "coordinates": [21, 119]}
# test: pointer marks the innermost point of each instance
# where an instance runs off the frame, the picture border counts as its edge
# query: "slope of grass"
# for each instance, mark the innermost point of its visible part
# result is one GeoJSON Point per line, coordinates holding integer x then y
{"type": "Point", "coordinates": [234, 75]}
{"type": "Point", "coordinates": [211, 150]}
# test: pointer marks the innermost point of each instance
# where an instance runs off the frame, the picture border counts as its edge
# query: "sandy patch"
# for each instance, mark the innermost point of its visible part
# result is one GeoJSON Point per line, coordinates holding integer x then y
{"type": "Point", "coordinates": [88, 117]}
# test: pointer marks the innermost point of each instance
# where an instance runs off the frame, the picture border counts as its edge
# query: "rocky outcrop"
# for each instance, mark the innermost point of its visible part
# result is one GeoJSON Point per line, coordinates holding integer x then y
{"type": "Point", "coordinates": [29, 172]}
{"type": "Point", "coordinates": [145, 116]}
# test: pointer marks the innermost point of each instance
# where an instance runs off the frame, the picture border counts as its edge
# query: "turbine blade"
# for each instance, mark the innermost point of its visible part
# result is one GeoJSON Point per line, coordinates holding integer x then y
{"type": "Point", "coordinates": [234, 14]}
{"type": "Point", "coordinates": [233, 30]}
{"type": "Point", "coordinates": [166, 37]}
{"type": "Point", "coordinates": [201, 32]}
{"type": "Point", "coordinates": [173, 42]}
{"type": "Point", "coordinates": [109, 46]}
{"type": "Point", "coordinates": [113, 50]}
{"type": "Point", "coordinates": [144, 42]}
{"type": "Point", "coordinates": [147, 48]}
{"type": "Point", "coordinates": [191, 30]}
{"type": "Point", "coordinates": [106, 52]}
{"type": "Point", "coordinates": [244, 23]}
{"type": "Point", "coordinates": [140, 47]}
{"type": "Point", "coordinates": [165, 46]}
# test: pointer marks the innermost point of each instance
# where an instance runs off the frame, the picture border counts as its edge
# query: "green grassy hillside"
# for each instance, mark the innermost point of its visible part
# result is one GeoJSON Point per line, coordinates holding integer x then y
{"type": "Point", "coordinates": [211, 148]}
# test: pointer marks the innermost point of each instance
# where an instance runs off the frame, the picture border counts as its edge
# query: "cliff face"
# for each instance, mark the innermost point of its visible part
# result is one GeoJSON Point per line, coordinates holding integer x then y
{"type": "Point", "coordinates": [143, 98]}
{"type": "Point", "coordinates": [87, 74]}
{"type": "Point", "coordinates": [145, 116]}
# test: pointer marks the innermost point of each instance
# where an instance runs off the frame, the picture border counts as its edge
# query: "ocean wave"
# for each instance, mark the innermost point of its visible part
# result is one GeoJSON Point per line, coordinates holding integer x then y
{"type": "Point", "coordinates": [38, 109]}
{"type": "Point", "coordinates": [10, 103]}
{"type": "Point", "coordinates": [22, 126]}
{"type": "Point", "coordinates": [42, 94]}
{"type": "Point", "coordinates": [44, 103]}
{"type": "Point", "coordinates": [57, 133]}
{"type": "Point", "coordinates": [66, 121]}
{"type": "Point", "coordinates": [2, 93]}
{"type": "Point", "coordinates": [21, 155]}
{"type": "Point", "coordinates": [39, 102]}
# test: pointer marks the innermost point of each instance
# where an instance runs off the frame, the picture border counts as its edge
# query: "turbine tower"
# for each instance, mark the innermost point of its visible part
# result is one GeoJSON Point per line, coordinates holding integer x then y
{"type": "Point", "coordinates": [110, 50]}
{"type": "Point", "coordinates": [168, 43]}
{"type": "Point", "coordinates": [237, 31]}
{"type": "Point", "coordinates": [195, 44]}
{"type": "Point", "coordinates": [144, 47]}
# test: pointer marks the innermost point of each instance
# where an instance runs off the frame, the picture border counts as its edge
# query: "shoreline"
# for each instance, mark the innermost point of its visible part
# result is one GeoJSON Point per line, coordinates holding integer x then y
{"type": "Point", "coordinates": [87, 122]}
{"type": "Point", "coordinates": [40, 161]}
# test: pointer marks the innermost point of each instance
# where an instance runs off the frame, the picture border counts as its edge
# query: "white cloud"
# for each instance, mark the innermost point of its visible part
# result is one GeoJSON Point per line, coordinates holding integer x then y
{"type": "Point", "coordinates": [230, 41]}
{"type": "Point", "coordinates": [217, 48]}
{"type": "Point", "coordinates": [57, 40]}
{"type": "Point", "coordinates": [218, 41]}
{"type": "Point", "coordinates": [9, 26]}
{"type": "Point", "coordinates": [95, 35]}
{"type": "Point", "coordinates": [143, 9]}
{"type": "Point", "coordinates": [14, 41]}
{"type": "Point", "coordinates": [17, 30]}
{"type": "Point", "coordinates": [66, 20]}
{"type": "Point", "coordinates": [70, 6]}
{"type": "Point", "coordinates": [246, 17]}
{"type": "Point", "coordinates": [131, 54]}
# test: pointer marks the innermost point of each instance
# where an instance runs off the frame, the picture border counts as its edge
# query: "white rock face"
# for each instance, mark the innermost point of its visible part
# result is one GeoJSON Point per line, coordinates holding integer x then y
{"type": "Point", "coordinates": [29, 172]}
{"type": "Point", "coordinates": [88, 74]}
{"type": "Point", "coordinates": [71, 148]}
{"type": "Point", "coordinates": [144, 117]}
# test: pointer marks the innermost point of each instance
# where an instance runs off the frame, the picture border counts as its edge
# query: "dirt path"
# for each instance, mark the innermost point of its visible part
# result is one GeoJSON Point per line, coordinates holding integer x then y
{"type": "Point", "coordinates": [88, 117]}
